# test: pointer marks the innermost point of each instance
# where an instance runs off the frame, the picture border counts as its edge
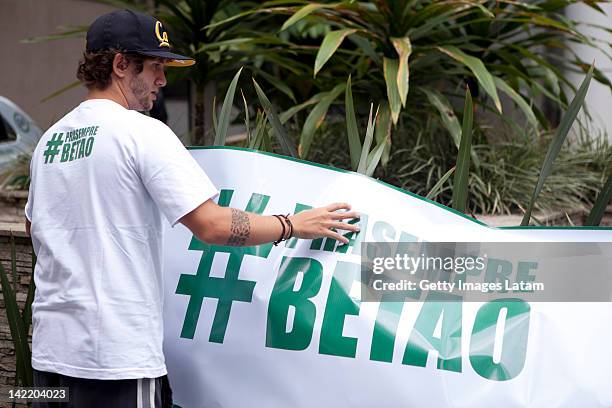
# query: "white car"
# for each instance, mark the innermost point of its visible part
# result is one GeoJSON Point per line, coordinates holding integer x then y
{"type": "Point", "coordinates": [18, 132]}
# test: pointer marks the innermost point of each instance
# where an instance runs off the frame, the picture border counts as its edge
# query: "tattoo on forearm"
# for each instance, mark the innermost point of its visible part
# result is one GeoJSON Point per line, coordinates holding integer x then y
{"type": "Point", "coordinates": [240, 228]}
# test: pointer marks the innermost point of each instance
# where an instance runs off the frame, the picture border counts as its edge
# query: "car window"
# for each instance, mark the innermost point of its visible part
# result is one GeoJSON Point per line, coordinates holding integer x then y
{"type": "Point", "coordinates": [7, 133]}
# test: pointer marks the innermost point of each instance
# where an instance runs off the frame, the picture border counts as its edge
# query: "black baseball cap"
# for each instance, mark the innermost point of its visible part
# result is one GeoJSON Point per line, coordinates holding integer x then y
{"type": "Point", "coordinates": [133, 32]}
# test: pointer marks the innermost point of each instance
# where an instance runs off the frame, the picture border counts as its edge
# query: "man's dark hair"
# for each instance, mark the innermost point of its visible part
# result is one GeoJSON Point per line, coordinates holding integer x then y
{"type": "Point", "coordinates": [95, 68]}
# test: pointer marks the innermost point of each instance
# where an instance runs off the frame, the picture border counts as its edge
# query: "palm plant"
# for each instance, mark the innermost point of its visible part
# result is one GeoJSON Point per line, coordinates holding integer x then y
{"type": "Point", "coordinates": [412, 58]}
{"type": "Point", "coordinates": [268, 122]}
{"type": "Point", "coordinates": [218, 50]}
{"type": "Point", "coordinates": [415, 55]}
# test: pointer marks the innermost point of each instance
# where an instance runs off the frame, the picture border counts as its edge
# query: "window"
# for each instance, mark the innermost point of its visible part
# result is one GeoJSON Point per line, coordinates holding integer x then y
{"type": "Point", "coordinates": [7, 133]}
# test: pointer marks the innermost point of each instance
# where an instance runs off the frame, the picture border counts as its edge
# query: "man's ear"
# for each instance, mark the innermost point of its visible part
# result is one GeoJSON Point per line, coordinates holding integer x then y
{"type": "Point", "coordinates": [120, 65]}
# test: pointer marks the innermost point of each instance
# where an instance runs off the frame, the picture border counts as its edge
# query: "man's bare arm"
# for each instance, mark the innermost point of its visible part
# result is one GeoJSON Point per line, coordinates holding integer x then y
{"type": "Point", "coordinates": [214, 224]}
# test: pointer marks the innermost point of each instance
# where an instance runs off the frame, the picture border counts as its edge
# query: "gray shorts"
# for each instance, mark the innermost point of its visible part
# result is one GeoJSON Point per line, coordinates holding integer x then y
{"type": "Point", "coordinates": [87, 393]}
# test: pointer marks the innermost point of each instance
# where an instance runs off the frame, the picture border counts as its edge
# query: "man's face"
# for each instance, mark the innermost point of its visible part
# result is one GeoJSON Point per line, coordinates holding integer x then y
{"type": "Point", "coordinates": [143, 86]}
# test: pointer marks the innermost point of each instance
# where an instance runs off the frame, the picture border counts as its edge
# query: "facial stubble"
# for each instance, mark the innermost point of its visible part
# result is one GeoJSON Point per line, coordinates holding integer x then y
{"type": "Point", "coordinates": [141, 94]}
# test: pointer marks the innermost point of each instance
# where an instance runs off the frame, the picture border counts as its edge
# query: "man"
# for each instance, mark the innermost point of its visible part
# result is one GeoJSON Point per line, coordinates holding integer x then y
{"type": "Point", "coordinates": [101, 179]}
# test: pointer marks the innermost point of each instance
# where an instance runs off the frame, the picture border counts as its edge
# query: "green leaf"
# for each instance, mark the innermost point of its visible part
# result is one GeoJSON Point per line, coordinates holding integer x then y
{"type": "Point", "coordinates": [390, 69]}
{"type": "Point", "coordinates": [70, 32]}
{"type": "Point", "coordinates": [557, 142]}
{"type": "Point", "coordinates": [485, 10]}
{"type": "Point", "coordinates": [330, 44]}
{"type": "Point", "coordinates": [551, 80]}
{"type": "Point", "coordinates": [61, 91]}
{"type": "Point", "coordinates": [13, 260]}
{"type": "Point", "coordinates": [594, 6]}
{"type": "Point", "coordinates": [26, 315]}
{"type": "Point", "coordinates": [279, 130]}
{"type": "Point", "coordinates": [278, 84]}
{"type": "Point", "coordinates": [435, 190]}
{"type": "Point", "coordinates": [478, 68]}
{"type": "Point", "coordinates": [226, 110]}
{"type": "Point", "coordinates": [289, 113]}
{"type": "Point", "coordinates": [230, 19]}
{"type": "Point", "coordinates": [315, 118]}
{"type": "Point", "coordinates": [303, 12]}
{"type": "Point", "coordinates": [351, 126]}
{"type": "Point", "coordinates": [518, 99]}
{"type": "Point", "coordinates": [449, 119]}
{"type": "Point", "coordinates": [601, 77]}
{"type": "Point", "coordinates": [180, 13]}
{"type": "Point", "coordinates": [602, 201]}
{"type": "Point", "coordinates": [266, 141]}
{"type": "Point", "coordinates": [429, 21]}
{"type": "Point", "coordinates": [366, 47]}
{"type": "Point", "coordinates": [218, 44]}
{"type": "Point", "coordinates": [17, 329]}
{"type": "Point", "coordinates": [541, 20]}
{"type": "Point", "coordinates": [382, 131]}
{"type": "Point", "coordinates": [542, 62]}
{"type": "Point", "coordinates": [460, 182]}
{"type": "Point", "coordinates": [260, 125]}
{"type": "Point", "coordinates": [363, 160]}
{"type": "Point", "coordinates": [404, 49]}
{"type": "Point", "coordinates": [246, 118]}
{"type": "Point", "coordinates": [374, 159]}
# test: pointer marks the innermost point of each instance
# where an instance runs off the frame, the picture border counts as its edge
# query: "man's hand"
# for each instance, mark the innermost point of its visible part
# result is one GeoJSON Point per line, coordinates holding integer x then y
{"type": "Point", "coordinates": [228, 226]}
{"type": "Point", "coordinates": [323, 222]}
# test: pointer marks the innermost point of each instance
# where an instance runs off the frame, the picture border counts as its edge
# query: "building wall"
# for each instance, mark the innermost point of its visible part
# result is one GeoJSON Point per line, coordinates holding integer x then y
{"type": "Point", "coordinates": [35, 71]}
{"type": "Point", "coordinates": [30, 72]}
{"type": "Point", "coordinates": [599, 97]}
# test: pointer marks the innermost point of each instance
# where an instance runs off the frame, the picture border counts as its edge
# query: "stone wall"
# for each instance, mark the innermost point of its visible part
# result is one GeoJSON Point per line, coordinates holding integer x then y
{"type": "Point", "coordinates": [12, 229]}
{"type": "Point", "coordinates": [23, 250]}
{"type": "Point", "coordinates": [12, 204]}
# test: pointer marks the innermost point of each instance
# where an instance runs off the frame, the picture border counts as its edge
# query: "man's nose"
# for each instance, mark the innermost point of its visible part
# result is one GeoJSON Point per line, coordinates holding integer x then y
{"type": "Point", "coordinates": [161, 79]}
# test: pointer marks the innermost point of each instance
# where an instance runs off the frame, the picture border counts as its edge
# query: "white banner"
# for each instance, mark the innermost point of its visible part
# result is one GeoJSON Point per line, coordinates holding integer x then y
{"type": "Point", "coordinates": [283, 326]}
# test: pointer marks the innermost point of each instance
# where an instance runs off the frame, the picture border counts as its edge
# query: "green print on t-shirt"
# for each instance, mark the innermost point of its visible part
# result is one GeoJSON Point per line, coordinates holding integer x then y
{"type": "Point", "coordinates": [78, 143]}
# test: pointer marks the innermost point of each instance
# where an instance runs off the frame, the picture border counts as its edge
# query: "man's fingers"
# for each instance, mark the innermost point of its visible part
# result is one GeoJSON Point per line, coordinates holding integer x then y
{"type": "Point", "coordinates": [344, 226]}
{"type": "Point", "coordinates": [345, 215]}
{"type": "Point", "coordinates": [331, 232]}
{"type": "Point", "coordinates": [337, 237]}
{"type": "Point", "coordinates": [338, 206]}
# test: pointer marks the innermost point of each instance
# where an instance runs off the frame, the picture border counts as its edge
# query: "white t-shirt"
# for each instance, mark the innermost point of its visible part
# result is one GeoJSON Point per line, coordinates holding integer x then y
{"type": "Point", "coordinates": [101, 179]}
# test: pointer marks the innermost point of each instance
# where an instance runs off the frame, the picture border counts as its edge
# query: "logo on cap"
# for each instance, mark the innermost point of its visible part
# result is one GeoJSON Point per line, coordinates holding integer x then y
{"type": "Point", "coordinates": [161, 36]}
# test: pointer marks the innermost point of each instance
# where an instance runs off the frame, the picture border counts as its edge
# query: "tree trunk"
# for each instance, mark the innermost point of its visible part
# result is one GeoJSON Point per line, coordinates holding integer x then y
{"type": "Point", "coordinates": [203, 133]}
{"type": "Point", "coordinates": [197, 118]}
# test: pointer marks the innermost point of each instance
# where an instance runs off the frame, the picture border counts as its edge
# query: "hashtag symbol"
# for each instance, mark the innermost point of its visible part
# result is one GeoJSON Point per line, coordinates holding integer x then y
{"type": "Point", "coordinates": [53, 147]}
{"type": "Point", "coordinates": [227, 289]}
